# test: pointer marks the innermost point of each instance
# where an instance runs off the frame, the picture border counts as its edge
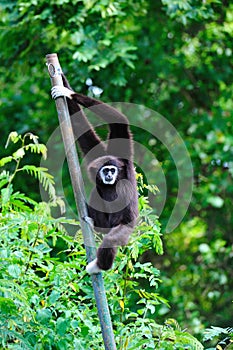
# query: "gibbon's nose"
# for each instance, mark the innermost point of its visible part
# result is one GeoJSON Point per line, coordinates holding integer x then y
{"type": "Point", "coordinates": [109, 176]}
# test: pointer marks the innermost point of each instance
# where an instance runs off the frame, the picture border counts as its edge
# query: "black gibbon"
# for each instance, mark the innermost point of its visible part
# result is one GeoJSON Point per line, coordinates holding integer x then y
{"type": "Point", "coordinates": [113, 204]}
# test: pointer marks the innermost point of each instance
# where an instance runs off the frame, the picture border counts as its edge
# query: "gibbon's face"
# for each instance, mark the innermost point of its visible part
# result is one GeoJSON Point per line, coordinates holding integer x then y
{"type": "Point", "coordinates": [108, 174]}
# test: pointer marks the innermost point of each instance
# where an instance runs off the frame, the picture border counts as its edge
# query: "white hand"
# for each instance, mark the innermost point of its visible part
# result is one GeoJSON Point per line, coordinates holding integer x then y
{"type": "Point", "coordinates": [58, 91]}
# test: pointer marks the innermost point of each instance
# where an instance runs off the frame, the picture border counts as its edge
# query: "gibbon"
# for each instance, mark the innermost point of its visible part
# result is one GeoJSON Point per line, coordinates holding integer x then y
{"type": "Point", "coordinates": [113, 204]}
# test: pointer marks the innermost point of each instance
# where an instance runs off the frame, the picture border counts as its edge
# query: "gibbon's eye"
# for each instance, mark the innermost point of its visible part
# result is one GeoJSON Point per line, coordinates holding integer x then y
{"type": "Point", "coordinates": [107, 170]}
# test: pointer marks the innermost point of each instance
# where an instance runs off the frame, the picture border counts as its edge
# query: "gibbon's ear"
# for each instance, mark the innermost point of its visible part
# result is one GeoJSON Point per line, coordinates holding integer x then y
{"type": "Point", "coordinates": [94, 167]}
{"type": "Point", "coordinates": [92, 173]}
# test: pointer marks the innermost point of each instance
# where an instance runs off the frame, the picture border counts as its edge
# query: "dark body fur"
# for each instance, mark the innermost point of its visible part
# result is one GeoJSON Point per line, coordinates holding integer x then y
{"type": "Point", "coordinates": [113, 208]}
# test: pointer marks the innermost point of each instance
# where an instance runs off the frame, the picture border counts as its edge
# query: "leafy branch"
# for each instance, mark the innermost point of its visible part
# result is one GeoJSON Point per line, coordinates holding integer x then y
{"type": "Point", "coordinates": [39, 173]}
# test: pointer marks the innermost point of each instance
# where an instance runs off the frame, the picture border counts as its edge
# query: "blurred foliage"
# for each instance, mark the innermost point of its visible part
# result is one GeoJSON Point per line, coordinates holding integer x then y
{"type": "Point", "coordinates": [174, 57]}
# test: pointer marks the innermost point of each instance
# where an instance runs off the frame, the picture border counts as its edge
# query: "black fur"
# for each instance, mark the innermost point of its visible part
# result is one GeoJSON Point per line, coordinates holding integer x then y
{"type": "Point", "coordinates": [113, 208]}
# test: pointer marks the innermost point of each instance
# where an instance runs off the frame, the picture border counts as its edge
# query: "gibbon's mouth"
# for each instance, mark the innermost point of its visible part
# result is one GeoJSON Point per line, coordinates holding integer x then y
{"type": "Point", "coordinates": [110, 181]}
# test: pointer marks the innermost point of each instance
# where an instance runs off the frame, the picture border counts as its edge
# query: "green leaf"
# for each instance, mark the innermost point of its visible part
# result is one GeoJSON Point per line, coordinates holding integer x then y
{"type": "Point", "coordinates": [43, 316]}
{"type": "Point", "coordinates": [14, 137]}
{"type": "Point", "coordinates": [14, 271]}
{"type": "Point", "coordinates": [3, 182]}
{"type": "Point", "coordinates": [5, 160]}
{"type": "Point", "coordinates": [213, 332]}
{"type": "Point", "coordinates": [37, 148]}
{"type": "Point", "coordinates": [62, 344]}
{"type": "Point", "coordinates": [43, 176]}
{"type": "Point", "coordinates": [85, 330]}
{"type": "Point", "coordinates": [6, 195]}
{"type": "Point", "coordinates": [187, 339]}
{"type": "Point", "coordinates": [62, 326]}
{"type": "Point", "coordinates": [7, 306]}
{"type": "Point", "coordinates": [54, 296]}
{"type": "Point", "coordinates": [19, 154]}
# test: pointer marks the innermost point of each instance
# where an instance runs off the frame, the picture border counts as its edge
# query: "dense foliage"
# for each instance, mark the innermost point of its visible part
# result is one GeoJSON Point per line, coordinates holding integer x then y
{"type": "Point", "coordinates": [174, 57]}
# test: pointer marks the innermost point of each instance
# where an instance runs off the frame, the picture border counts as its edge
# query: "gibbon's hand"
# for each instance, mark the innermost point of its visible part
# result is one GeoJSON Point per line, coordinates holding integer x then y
{"type": "Point", "coordinates": [89, 221]}
{"type": "Point", "coordinates": [93, 268]}
{"type": "Point", "coordinates": [61, 91]}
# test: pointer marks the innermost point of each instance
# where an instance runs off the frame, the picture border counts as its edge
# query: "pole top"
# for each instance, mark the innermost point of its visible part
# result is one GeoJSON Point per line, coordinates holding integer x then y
{"type": "Point", "coordinates": [53, 64]}
{"type": "Point", "coordinates": [51, 55]}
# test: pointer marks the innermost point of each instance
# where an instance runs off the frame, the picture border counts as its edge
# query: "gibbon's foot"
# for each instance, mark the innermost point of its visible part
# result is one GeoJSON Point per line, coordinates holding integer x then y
{"type": "Point", "coordinates": [58, 91]}
{"type": "Point", "coordinates": [93, 268]}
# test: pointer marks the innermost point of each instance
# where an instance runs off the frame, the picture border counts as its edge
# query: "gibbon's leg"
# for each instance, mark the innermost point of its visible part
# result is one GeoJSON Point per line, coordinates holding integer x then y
{"type": "Point", "coordinates": [118, 236]}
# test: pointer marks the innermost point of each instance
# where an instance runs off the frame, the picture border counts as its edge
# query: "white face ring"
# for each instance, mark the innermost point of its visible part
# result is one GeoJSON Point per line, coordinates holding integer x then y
{"type": "Point", "coordinates": [108, 174]}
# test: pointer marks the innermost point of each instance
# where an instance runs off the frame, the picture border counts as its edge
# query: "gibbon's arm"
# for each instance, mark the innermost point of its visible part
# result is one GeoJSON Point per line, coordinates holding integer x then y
{"type": "Point", "coordinates": [118, 123]}
{"type": "Point", "coordinates": [83, 130]}
{"type": "Point", "coordinates": [106, 112]}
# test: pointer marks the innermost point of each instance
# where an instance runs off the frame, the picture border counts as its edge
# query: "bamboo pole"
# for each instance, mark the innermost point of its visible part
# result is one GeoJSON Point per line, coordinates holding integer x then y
{"type": "Point", "coordinates": [55, 71]}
